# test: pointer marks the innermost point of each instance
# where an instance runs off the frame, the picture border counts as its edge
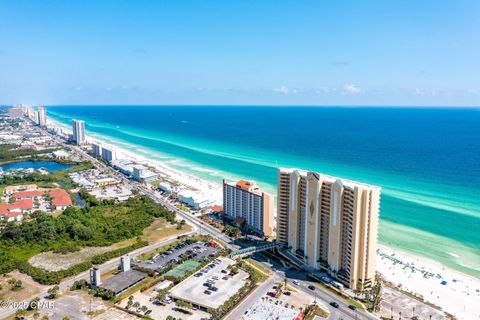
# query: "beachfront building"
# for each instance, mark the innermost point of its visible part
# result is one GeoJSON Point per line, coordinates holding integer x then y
{"type": "Point", "coordinates": [108, 154]}
{"type": "Point", "coordinates": [330, 224]}
{"type": "Point", "coordinates": [243, 200]}
{"type": "Point", "coordinates": [193, 199]}
{"type": "Point", "coordinates": [143, 174]}
{"type": "Point", "coordinates": [78, 136]}
{"type": "Point", "coordinates": [42, 117]}
{"type": "Point", "coordinates": [96, 149]}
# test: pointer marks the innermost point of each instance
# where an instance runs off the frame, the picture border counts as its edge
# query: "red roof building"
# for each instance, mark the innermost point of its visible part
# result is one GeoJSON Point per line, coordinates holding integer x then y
{"type": "Point", "coordinates": [60, 198]}
{"type": "Point", "coordinates": [217, 209]}
{"type": "Point", "coordinates": [27, 194]}
{"type": "Point", "coordinates": [16, 210]}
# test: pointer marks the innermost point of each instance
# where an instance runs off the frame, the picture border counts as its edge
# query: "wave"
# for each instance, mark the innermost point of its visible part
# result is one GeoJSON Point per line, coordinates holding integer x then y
{"type": "Point", "coordinates": [453, 255]}
{"type": "Point", "coordinates": [419, 197]}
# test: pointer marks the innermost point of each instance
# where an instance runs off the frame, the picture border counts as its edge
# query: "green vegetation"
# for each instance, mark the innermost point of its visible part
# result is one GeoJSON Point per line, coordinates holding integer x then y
{"type": "Point", "coordinates": [94, 225]}
{"type": "Point", "coordinates": [314, 310]}
{"type": "Point", "coordinates": [232, 231]}
{"type": "Point", "coordinates": [9, 153]}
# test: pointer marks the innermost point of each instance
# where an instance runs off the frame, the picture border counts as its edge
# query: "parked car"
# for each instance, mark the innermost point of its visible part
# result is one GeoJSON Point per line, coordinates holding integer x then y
{"type": "Point", "coordinates": [334, 304]}
{"type": "Point", "coordinates": [295, 282]}
{"type": "Point", "coordinates": [352, 307]}
{"type": "Point", "coordinates": [207, 292]}
{"type": "Point", "coordinates": [214, 288]}
{"type": "Point", "coordinates": [311, 287]}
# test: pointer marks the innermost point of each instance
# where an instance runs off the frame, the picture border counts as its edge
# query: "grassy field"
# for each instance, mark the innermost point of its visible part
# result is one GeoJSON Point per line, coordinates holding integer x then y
{"type": "Point", "coordinates": [258, 266]}
{"type": "Point", "coordinates": [159, 230]}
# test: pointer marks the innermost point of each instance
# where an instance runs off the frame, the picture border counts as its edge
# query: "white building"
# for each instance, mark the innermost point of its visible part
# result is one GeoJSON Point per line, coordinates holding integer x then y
{"type": "Point", "coordinates": [42, 117]}
{"type": "Point", "coordinates": [124, 166]}
{"type": "Point", "coordinates": [194, 200]}
{"type": "Point", "coordinates": [78, 135]}
{"type": "Point", "coordinates": [96, 149]}
{"type": "Point", "coordinates": [165, 187]}
{"type": "Point", "coordinates": [140, 173]}
{"type": "Point", "coordinates": [244, 200]}
{"type": "Point", "coordinates": [109, 154]}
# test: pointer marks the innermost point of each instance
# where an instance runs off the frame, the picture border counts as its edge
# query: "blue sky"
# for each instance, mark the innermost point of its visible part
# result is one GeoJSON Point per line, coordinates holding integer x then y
{"type": "Point", "coordinates": [386, 52]}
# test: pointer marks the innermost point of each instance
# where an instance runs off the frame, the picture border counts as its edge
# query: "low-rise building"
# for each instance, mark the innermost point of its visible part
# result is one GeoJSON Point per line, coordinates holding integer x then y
{"type": "Point", "coordinates": [141, 173]}
{"type": "Point", "coordinates": [60, 199]}
{"type": "Point", "coordinates": [15, 211]}
{"type": "Point", "coordinates": [33, 194]}
{"type": "Point", "coordinates": [165, 187]}
{"type": "Point", "coordinates": [12, 189]}
{"type": "Point", "coordinates": [193, 199]}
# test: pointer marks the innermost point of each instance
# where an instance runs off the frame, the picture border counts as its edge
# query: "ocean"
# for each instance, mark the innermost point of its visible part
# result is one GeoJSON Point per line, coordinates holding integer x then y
{"type": "Point", "coordinates": [427, 160]}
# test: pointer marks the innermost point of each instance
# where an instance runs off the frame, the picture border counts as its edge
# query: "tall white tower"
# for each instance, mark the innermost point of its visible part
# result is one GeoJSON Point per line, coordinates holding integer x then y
{"type": "Point", "coordinates": [78, 131]}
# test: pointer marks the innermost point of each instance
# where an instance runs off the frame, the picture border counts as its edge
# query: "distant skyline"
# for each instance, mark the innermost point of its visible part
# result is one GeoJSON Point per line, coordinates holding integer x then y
{"type": "Point", "coordinates": [399, 53]}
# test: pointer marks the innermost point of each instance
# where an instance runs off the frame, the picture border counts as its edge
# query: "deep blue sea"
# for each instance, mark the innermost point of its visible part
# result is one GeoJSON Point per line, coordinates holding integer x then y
{"type": "Point", "coordinates": [427, 160]}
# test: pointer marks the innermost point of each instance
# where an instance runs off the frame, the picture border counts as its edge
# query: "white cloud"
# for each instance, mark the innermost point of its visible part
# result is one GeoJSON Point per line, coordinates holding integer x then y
{"type": "Point", "coordinates": [351, 89]}
{"type": "Point", "coordinates": [283, 89]}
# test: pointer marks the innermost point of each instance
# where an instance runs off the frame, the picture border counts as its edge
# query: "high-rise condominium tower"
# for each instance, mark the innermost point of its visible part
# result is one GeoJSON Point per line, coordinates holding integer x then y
{"type": "Point", "coordinates": [330, 223]}
{"type": "Point", "coordinates": [42, 117]}
{"type": "Point", "coordinates": [78, 132]}
{"type": "Point", "coordinates": [244, 200]}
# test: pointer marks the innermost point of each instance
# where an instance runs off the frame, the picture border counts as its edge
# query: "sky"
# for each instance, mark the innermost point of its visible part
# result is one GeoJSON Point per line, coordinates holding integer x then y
{"type": "Point", "coordinates": [241, 52]}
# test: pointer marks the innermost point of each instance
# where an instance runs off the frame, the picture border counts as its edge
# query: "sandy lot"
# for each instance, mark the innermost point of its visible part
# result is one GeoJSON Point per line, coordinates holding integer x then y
{"type": "Point", "coordinates": [29, 287]}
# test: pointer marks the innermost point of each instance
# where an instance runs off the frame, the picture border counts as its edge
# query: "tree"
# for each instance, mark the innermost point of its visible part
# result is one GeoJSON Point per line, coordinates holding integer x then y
{"type": "Point", "coordinates": [162, 294]}
{"type": "Point", "coordinates": [169, 317]}
{"type": "Point", "coordinates": [144, 309]}
{"type": "Point", "coordinates": [36, 315]}
{"type": "Point", "coordinates": [136, 304]}
{"type": "Point", "coordinates": [66, 318]}
{"type": "Point", "coordinates": [53, 292]}
{"type": "Point", "coordinates": [376, 293]}
{"type": "Point", "coordinates": [20, 314]}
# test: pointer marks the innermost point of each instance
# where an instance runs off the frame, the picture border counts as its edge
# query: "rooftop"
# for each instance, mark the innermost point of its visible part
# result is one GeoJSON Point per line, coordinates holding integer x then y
{"type": "Point", "coordinates": [60, 197]}
{"type": "Point", "coordinates": [27, 194]}
{"type": "Point", "coordinates": [192, 289]}
{"type": "Point", "coordinates": [124, 280]}
{"type": "Point", "coordinates": [331, 179]}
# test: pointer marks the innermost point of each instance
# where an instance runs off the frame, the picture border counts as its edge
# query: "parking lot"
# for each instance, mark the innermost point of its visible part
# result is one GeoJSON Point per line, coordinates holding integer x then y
{"type": "Point", "coordinates": [161, 311]}
{"type": "Point", "coordinates": [211, 286]}
{"type": "Point", "coordinates": [194, 251]}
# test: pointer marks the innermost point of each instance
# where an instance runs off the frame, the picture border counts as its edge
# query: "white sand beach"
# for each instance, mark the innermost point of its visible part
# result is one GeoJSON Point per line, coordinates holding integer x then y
{"type": "Point", "coordinates": [456, 293]}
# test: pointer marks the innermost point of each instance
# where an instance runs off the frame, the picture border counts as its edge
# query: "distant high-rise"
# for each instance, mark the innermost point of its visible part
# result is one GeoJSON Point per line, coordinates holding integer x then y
{"type": "Point", "coordinates": [42, 117]}
{"type": "Point", "coordinates": [36, 117]}
{"type": "Point", "coordinates": [330, 224]}
{"type": "Point", "coordinates": [78, 136]}
{"type": "Point", "coordinates": [244, 200]}
{"type": "Point", "coordinates": [15, 112]}
{"type": "Point", "coordinates": [97, 149]}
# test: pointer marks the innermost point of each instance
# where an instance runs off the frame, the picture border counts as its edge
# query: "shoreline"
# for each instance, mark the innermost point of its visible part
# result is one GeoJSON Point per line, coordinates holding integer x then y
{"type": "Point", "coordinates": [458, 296]}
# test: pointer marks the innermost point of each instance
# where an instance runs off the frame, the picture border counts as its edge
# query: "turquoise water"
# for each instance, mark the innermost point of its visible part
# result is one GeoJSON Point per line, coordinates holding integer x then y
{"type": "Point", "coordinates": [425, 160]}
{"type": "Point", "coordinates": [51, 166]}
